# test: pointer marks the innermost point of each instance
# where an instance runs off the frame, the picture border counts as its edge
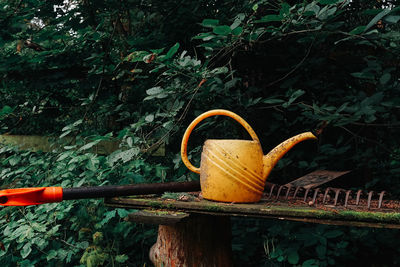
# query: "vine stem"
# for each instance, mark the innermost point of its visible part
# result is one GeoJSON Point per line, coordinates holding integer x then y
{"type": "Point", "coordinates": [366, 139]}
{"type": "Point", "coordinates": [65, 242]}
{"type": "Point", "coordinates": [102, 77]}
{"type": "Point", "coordinates": [296, 67]}
{"type": "Point", "coordinates": [179, 121]}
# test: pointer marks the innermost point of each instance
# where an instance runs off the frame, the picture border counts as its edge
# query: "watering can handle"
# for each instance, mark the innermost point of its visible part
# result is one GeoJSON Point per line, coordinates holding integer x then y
{"type": "Point", "coordinates": [203, 116]}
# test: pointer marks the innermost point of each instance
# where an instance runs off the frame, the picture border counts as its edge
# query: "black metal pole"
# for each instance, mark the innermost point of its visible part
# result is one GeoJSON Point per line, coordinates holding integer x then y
{"type": "Point", "coordinates": [128, 190]}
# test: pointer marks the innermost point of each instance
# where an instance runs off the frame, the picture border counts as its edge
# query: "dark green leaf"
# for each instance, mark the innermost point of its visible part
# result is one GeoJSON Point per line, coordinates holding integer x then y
{"type": "Point", "coordinates": [14, 160]}
{"type": "Point", "coordinates": [342, 107]}
{"type": "Point", "coordinates": [121, 258]}
{"type": "Point", "coordinates": [222, 30]}
{"type": "Point", "coordinates": [26, 250]}
{"type": "Point", "coordinates": [357, 30]}
{"type": "Point", "coordinates": [313, 8]}
{"type": "Point", "coordinates": [235, 24]}
{"type": "Point", "coordinates": [255, 7]}
{"type": "Point", "coordinates": [149, 118]}
{"type": "Point", "coordinates": [329, 2]}
{"type": "Point", "coordinates": [342, 244]}
{"type": "Point", "coordinates": [270, 18]}
{"type": "Point", "coordinates": [205, 36]}
{"type": "Point", "coordinates": [371, 12]}
{"type": "Point", "coordinates": [154, 91]}
{"type": "Point", "coordinates": [392, 19]}
{"type": "Point", "coordinates": [285, 9]}
{"type": "Point", "coordinates": [321, 251]}
{"type": "Point", "coordinates": [123, 213]}
{"type": "Point", "coordinates": [136, 56]}
{"type": "Point", "coordinates": [323, 240]}
{"type": "Point", "coordinates": [333, 233]}
{"type": "Point", "coordinates": [293, 257]}
{"type": "Point", "coordinates": [362, 75]}
{"type": "Point", "coordinates": [89, 145]}
{"type": "Point", "coordinates": [172, 51]}
{"type": "Point", "coordinates": [272, 101]}
{"type": "Point", "coordinates": [6, 110]}
{"type": "Point", "coordinates": [211, 23]}
{"type": "Point", "coordinates": [51, 254]}
{"type": "Point", "coordinates": [108, 216]}
{"type": "Point", "coordinates": [220, 70]}
{"type": "Point", "coordinates": [293, 97]}
{"type": "Point", "coordinates": [310, 263]}
{"type": "Point", "coordinates": [377, 18]}
{"type": "Point", "coordinates": [385, 78]}
{"type": "Point", "coordinates": [237, 31]}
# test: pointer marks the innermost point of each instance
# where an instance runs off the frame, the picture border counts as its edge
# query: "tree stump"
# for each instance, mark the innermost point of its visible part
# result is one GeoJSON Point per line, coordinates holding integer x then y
{"type": "Point", "coordinates": [199, 240]}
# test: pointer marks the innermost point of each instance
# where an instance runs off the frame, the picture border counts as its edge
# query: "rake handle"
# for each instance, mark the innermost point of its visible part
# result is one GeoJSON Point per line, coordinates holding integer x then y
{"type": "Point", "coordinates": [41, 195]}
{"type": "Point", "coordinates": [128, 190]}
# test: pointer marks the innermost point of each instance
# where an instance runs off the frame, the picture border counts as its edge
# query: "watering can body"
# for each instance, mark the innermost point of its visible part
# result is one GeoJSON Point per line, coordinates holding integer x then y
{"type": "Point", "coordinates": [232, 170]}
{"type": "Point", "coordinates": [235, 170]}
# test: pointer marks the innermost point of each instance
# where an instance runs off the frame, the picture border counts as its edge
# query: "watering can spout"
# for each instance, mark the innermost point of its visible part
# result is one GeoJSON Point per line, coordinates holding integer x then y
{"type": "Point", "coordinates": [280, 150]}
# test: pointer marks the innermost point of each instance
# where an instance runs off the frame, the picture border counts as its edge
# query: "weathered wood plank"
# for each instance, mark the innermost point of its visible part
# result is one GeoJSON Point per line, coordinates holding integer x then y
{"type": "Point", "coordinates": [157, 217]}
{"type": "Point", "coordinates": [269, 209]}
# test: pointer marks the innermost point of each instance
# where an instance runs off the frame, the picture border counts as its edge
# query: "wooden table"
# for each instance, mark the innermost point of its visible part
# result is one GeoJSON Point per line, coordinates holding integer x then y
{"type": "Point", "coordinates": [195, 231]}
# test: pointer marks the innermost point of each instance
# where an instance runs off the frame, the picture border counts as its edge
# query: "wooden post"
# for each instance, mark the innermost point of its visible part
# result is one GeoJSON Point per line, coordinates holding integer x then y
{"type": "Point", "coordinates": [199, 240]}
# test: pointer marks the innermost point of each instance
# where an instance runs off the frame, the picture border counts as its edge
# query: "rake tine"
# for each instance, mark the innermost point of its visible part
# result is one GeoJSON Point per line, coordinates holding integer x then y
{"type": "Point", "coordinates": [297, 190]}
{"type": "Point", "coordinates": [305, 194]}
{"type": "Point", "coordinates": [347, 198]}
{"type": "Point", "coordinates": [279, 191]}
{"type": "Point", "coordinates": [380, 199]}
{"type": "Point", "coordinates": [289, 187]}
{"type": "Point", "coordinates": [315, 196]}
{"type": "Point", "coordinates": [358, 197]}
{"type": "Point", "coordinates": [337, 192]}
{"type": "Point", "coordinates": [326, 194]}
{"type": "Point", "coordinates": [270, 192]}
{"type": "Point", "coordinates": [325, 199]}
{"type": "Point", "coordinates": [369, 198]}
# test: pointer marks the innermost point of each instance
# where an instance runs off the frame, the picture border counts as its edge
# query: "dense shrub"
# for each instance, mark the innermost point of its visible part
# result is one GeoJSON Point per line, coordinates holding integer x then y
{"type": "Point", "coordinates": [140, 71]}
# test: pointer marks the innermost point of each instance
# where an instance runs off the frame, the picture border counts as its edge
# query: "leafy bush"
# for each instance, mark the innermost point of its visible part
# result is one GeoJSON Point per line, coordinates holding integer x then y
{"type": "Point", "coordinates": [302, 244]}
{"type": "Point", "coordinates": [70, 232]}
{"type": "Point", "coordinates": [140, 71]}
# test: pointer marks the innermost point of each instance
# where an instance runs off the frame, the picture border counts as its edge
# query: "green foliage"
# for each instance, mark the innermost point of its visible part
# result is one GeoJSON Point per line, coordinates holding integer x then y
{"type": "Point", "coordinates": [140, 71]}
{"type": "Point", "coordinates": [69, 232]}
{"type": "Point", "coordinates": [301, 244]}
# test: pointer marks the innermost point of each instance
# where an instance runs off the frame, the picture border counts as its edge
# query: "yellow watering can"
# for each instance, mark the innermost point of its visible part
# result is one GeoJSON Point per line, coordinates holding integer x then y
{"type": "Point", "coordinates": [235, 170]}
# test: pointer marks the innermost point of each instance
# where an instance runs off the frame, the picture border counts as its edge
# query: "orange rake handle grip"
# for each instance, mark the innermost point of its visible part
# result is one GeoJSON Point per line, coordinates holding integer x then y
{"type": "Point", "coordinates": [30, 196]}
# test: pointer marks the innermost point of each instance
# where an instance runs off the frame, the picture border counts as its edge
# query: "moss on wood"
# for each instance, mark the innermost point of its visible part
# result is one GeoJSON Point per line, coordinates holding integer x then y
{"type": "Point", "coordinates": [319, 213]}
